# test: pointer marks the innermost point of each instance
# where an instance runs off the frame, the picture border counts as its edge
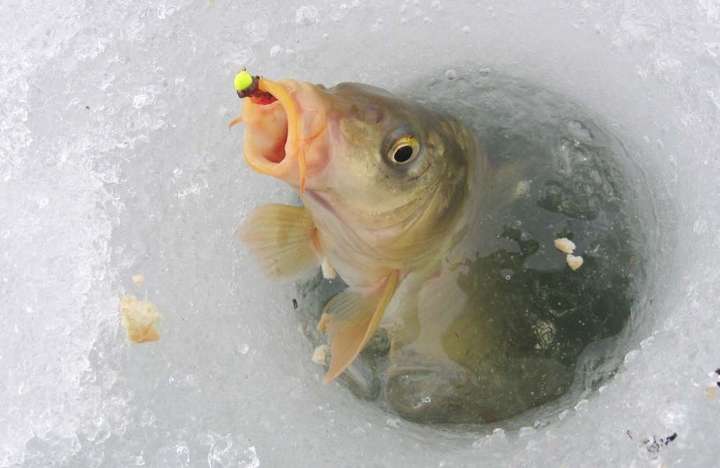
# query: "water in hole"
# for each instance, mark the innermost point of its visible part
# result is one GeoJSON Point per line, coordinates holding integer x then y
{"type": "Point", "coordinates": [506, 330]}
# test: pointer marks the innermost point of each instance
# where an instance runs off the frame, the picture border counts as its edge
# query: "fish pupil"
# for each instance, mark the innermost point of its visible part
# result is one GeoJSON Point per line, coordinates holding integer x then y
{"type": "Point", "coordinates": [403, 154]}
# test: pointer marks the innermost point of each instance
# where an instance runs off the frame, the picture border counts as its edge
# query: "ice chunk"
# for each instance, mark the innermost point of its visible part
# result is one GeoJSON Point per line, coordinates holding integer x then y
{"type": "Point", "coordinates": [320, 355]}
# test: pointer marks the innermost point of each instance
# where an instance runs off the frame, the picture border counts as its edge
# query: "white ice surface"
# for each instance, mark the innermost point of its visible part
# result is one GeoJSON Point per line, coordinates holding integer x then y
{"type": "Point", "coordinates": [115, 159]}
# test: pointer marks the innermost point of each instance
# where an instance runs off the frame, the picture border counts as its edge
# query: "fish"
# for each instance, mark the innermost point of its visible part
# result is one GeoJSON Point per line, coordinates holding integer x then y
{"type": "Point", "coordinates": [386, 186]}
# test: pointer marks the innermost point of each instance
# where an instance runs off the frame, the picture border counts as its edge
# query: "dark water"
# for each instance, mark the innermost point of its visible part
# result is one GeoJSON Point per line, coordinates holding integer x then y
{"type": "Point", "coordinates": [532, 316]}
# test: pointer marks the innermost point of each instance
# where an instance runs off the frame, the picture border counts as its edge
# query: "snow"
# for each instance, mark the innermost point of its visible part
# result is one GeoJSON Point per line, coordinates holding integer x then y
{"type": "Point", "coordinates": [116, 160]}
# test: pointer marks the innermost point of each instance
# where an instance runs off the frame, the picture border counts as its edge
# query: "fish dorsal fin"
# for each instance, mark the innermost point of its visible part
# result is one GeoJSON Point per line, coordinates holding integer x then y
{"type": "Point", "coordinates": [350, 319]}
{"type": "Point", "coordinates": [283, 238]}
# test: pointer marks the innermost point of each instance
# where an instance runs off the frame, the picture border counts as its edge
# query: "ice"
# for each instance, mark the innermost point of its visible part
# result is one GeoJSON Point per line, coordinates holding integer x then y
{"type": "Point", "coordinates": [116, 160]}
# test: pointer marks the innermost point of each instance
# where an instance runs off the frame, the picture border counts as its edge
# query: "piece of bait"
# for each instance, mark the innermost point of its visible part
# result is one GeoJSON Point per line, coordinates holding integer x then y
{"type": "Point", "coordinates": [574, 262]}
{"type": "Point", "coordinates": [565, 245]}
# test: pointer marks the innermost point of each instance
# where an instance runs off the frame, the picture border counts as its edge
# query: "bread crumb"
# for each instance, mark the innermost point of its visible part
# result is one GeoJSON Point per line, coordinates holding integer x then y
{"type": "Point", "coordinates": [574, 262]}
{"type": "Point", "coordinates": [565, 245]}
{"type": "Point", "coordinates": [320, 355]}
{"type": "Point", "coordinates": [138, 279]}
{"type": "Point", "coordinates": [139, 318]}
{"type": "Point", "coordinates": [711, 393]}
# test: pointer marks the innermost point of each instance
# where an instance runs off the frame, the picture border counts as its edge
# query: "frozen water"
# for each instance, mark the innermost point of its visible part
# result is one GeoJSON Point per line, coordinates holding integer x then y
{"type": "Point", "coordinates": [115, 159]}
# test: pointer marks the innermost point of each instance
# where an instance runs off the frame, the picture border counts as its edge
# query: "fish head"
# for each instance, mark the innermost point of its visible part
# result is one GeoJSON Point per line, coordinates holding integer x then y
{"type": "Point", "coordinates": [384, 173]}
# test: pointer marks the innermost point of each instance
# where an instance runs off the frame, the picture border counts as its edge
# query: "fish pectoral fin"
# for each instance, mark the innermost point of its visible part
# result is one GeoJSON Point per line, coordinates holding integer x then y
{"type": "Point", "coordinates": [283, 238]}
{"type": "Point", "coordinates": [350, 319]}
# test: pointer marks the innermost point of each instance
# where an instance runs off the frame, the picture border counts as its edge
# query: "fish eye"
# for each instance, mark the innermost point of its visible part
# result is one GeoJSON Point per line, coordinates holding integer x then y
{"type": "Point", "coordinates": [404, 150]}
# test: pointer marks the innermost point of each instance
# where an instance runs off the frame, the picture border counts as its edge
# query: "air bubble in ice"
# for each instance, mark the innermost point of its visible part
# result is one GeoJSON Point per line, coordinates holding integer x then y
{"type": "Point", "coordinates": [580, 131]}
{"type": "Point", "coordinates": [141, 100]}
{"type": "Point", "coordinates": [275, 50]}
{"type": "Point", "coordinates": [307, 15]}
{"type": "Point", "coordinates": [257, 30]}
{"type": "Point", "coordinates": [451, 74]}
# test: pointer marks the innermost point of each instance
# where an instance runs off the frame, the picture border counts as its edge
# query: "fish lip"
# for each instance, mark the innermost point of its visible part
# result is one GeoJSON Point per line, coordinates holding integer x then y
{"type": "Point", "coordinates": [262, 161]}
{"type": "Point", "coordinates": [305, 132]}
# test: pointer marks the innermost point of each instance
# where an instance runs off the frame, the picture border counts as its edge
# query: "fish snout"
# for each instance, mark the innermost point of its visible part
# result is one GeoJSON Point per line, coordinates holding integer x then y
{"type": "Point", "coordinates": [286, 138]}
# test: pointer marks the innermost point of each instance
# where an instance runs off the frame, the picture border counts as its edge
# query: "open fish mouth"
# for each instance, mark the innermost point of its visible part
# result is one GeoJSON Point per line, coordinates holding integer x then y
{"type": "Point", "coordinates": [284, 121]}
